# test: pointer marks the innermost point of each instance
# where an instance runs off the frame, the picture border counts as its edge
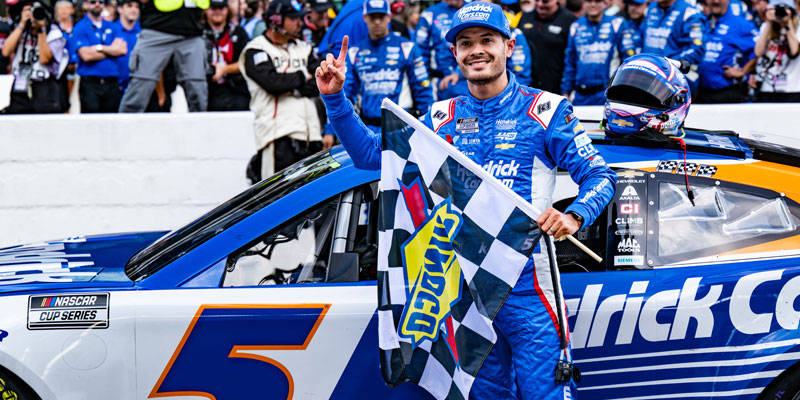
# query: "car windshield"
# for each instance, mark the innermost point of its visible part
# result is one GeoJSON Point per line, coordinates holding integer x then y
{"type": "Point", "coordinates": [181, 241]}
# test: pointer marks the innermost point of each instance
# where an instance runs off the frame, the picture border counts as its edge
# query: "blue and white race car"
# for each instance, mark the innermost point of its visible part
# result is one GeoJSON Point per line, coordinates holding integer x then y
{"type": "Point", "coordinates": [273, 293]}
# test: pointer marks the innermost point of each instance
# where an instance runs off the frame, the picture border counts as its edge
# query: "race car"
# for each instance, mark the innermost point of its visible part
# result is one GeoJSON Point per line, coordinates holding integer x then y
{"type": "Point", "coordinates": [273, 293]}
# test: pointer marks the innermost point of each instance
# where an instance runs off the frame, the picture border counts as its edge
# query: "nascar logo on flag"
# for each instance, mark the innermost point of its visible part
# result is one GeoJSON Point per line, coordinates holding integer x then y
{"type": "Point", "coordinates": [452, 242]}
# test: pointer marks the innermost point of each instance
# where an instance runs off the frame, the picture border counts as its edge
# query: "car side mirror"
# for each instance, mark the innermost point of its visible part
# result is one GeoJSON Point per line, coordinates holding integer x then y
{"type": "Point", "coordinates": [343, 267]}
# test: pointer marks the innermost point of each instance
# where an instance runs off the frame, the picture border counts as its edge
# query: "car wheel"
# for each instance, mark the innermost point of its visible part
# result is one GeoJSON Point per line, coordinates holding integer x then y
{"type": "Point", "coordinates": [12, 388]}
{"type": "Point", "coordinates": [785, 387]}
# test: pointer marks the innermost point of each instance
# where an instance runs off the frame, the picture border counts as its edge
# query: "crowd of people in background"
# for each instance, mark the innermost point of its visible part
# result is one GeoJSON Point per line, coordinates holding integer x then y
{"type": "Point", "coordinates": [260, 55]}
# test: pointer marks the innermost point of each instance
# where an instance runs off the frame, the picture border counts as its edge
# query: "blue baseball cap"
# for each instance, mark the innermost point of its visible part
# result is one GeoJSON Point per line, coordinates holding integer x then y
{"type": "Point", "coordinates": [635, 1]}
{"type": "Point", "coordinates": [479, 13]}
{"type": "Point", "coordinates": [376, 7]}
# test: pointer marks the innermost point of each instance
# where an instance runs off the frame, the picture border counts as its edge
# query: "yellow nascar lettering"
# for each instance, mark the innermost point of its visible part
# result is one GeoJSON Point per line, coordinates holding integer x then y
{"type": "Point", "coordinates": [433, 275]}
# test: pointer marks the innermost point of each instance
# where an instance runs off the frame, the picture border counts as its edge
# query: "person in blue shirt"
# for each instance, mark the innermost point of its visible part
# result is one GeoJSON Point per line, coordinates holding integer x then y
{"type": "Point", "coordinates": [378, 65]}
{"type": "Point", "coordinates": [521, 135]}
{"type": "Point", "coordinates": [433, 25]}
{"type": "Point", "coordinates": [634, 12]}
{"type": "Point", "coordinates": [98, 45]}
{"type": "Point", "coordinates": [676, 29]}
{"type": "Point", "coordinates": [729, 55]}
{"type": "Point", "coordinates": [594, 50]}
{"type": "Point", "coordinates": [128, 28]}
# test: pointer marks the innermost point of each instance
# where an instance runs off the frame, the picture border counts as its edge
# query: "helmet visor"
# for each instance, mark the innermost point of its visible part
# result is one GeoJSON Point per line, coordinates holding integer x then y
{"type": "Point", "coordinates": [640, 88]}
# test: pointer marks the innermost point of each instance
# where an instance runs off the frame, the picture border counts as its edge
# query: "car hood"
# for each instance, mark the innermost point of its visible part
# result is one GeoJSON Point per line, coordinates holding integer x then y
{"type": "Point", "coordinates": [89, 261]}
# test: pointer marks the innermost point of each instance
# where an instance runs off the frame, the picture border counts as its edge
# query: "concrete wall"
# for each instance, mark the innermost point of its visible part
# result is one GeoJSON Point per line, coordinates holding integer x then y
{"type": "Point", "coordinates": [65, 175]}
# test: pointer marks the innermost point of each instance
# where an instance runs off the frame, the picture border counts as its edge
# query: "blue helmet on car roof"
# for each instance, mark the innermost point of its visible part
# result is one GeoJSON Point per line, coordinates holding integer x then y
{"type": "Point", "coordinates": [647, 91]}
{"type": "Point", "coordinates": [479, 13]}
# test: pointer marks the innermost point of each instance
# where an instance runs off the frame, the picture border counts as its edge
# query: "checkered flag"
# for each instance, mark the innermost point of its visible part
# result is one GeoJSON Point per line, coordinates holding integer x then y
{"type": "Point", "coordinates": [452, 242]}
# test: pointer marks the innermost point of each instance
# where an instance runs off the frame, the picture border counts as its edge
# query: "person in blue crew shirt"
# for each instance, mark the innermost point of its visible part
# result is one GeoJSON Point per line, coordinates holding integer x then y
{"type": "Point", "coordinates": [729, 55]}
{"type": "Point", "coordinates": [594, 50]}
{"type": "Point", "coordinates": [129, 28]}
{"type": "Point", "coordinates": [676, 29]}
{"type": "Point", "coordinates": [433, 25]}
{"type": "Point", "coordinates": [634, 12]}
{"type": "Point", "coordinates": [378, 65]}
{"type": "Point", "coordinates": [98, 45]}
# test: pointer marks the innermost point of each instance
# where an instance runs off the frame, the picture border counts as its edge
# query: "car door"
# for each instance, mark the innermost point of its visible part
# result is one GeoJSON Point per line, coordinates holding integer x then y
{"type": "Point", "coordinates": [691, 303]}
{"type": "Point", "coordinates": [266, 320]}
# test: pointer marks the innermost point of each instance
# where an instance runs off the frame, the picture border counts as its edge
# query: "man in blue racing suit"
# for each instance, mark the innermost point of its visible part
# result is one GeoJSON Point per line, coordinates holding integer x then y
{"type": "Point", "coordinates": [676, 29]}
{"type": "Point", "coordinates": [520, 135]}
{"type": "Point", "coordinates": [377, 66]}
{"type": "Point", "coordinates": [594, 48]}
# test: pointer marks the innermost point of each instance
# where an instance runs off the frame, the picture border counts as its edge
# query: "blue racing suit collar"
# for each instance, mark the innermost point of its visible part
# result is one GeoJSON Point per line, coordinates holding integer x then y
{"type": "Point", "coordinates": [383, 40]}
{"type": "Point", "coordinates": [497, 102]}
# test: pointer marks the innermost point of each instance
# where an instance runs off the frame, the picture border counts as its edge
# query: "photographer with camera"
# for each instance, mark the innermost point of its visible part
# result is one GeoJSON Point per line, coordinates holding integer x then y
{"type": "Point", "coordinates": [777, 77]}
{"type": "Point", "coordinates": [39, 52]}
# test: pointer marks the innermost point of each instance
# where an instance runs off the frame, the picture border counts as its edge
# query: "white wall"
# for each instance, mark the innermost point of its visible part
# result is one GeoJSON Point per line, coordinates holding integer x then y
{"type": "Point", "coordinates": [65, 175]}
{"type": "Point", "coordinates": [778, 123]}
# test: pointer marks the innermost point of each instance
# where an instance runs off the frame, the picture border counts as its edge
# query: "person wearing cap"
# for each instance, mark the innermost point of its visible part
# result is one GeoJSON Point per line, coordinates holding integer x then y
{"type": "Point", "coordinates": [633, 12]}
{"type": "Point", "coordinates": [98, 44]}
{"type": "Point", "coordinates": [378, 66]}
{"type": "Point", "coordinates": [227, 90]}
{"type": "Point", "coordinates": [171, 30]}
{"type": "Point", "coordinates": [729, 55]}
{"type": "Point", "coordinates": [531, 131]}
{"type": "Point", "coordinates": [40, 57]}
{"type": "Point", "coordinates": [547, 29]}
{"type": "Point", "coordinates": [777, 74]}
{"type": "Point", "coordinates": [278, 67]}
{"type": "Point", "coordinates": [676, 29]}
{"type": "Point", "coordinates": [129, 28]}
{"type": "Point", "coordinates": [316, 22]}
{"type": "Point", "coordinates": [594, 49]}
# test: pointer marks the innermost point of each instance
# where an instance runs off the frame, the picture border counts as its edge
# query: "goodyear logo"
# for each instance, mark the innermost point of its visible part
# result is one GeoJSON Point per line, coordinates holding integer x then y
{"type": "Point", "coordinates": [433, 275]}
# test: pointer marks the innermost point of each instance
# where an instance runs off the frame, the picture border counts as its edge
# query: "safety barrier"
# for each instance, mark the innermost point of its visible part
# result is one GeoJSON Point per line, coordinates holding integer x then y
{"type": "Point", "coordinates": [65, 175]}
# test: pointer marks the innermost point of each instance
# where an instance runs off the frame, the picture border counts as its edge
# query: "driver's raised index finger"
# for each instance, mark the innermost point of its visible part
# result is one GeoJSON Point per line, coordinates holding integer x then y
{"type": "Point", "coordinates": [343, 52]}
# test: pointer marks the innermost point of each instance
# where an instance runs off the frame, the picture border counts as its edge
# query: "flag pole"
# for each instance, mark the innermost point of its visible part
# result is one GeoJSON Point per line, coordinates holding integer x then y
{"type": "Point", "coordinates": [523, 205]}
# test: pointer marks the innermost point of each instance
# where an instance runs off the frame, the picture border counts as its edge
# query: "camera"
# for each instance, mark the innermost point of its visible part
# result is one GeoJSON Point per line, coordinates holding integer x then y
{"type": "Point", "coordinates": [781, 12]}
{"type": "Point", "coordinates": [40, 12]}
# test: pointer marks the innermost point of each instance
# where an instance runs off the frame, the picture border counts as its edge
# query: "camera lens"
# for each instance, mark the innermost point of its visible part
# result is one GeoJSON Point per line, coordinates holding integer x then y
{"type": "Point", "coordinates": [780, 12]}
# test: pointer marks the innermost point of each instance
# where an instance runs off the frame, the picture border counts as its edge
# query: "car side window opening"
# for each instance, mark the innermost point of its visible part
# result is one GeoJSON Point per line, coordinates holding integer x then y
{"type": "Point", "coordinates": [294, 252]}
{"type": "Point", "coordinates": [720, 216]}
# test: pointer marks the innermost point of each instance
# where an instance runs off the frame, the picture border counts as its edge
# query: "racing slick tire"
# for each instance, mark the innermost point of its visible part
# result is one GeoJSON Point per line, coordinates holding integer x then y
{"type": "Point", "coordinates": [12, 388]}
{"type": "Point", "coordinates": [785, 387]}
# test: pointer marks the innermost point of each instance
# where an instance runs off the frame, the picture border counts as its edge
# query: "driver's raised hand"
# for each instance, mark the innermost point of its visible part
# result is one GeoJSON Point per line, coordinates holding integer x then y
{"type": "Point", "coordinates": [331, 71]}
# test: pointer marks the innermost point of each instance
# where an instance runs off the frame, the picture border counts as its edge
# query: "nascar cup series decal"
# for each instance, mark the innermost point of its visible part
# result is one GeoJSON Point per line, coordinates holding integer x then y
{"type": "Point", "coordinates": [433, 274]}
{"type": "Point", "coordinates": [73, 311]}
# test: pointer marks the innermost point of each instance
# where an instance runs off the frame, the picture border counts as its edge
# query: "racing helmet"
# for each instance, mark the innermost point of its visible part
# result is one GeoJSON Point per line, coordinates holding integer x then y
{"type": "Point", "coordinates": [647, 92]}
